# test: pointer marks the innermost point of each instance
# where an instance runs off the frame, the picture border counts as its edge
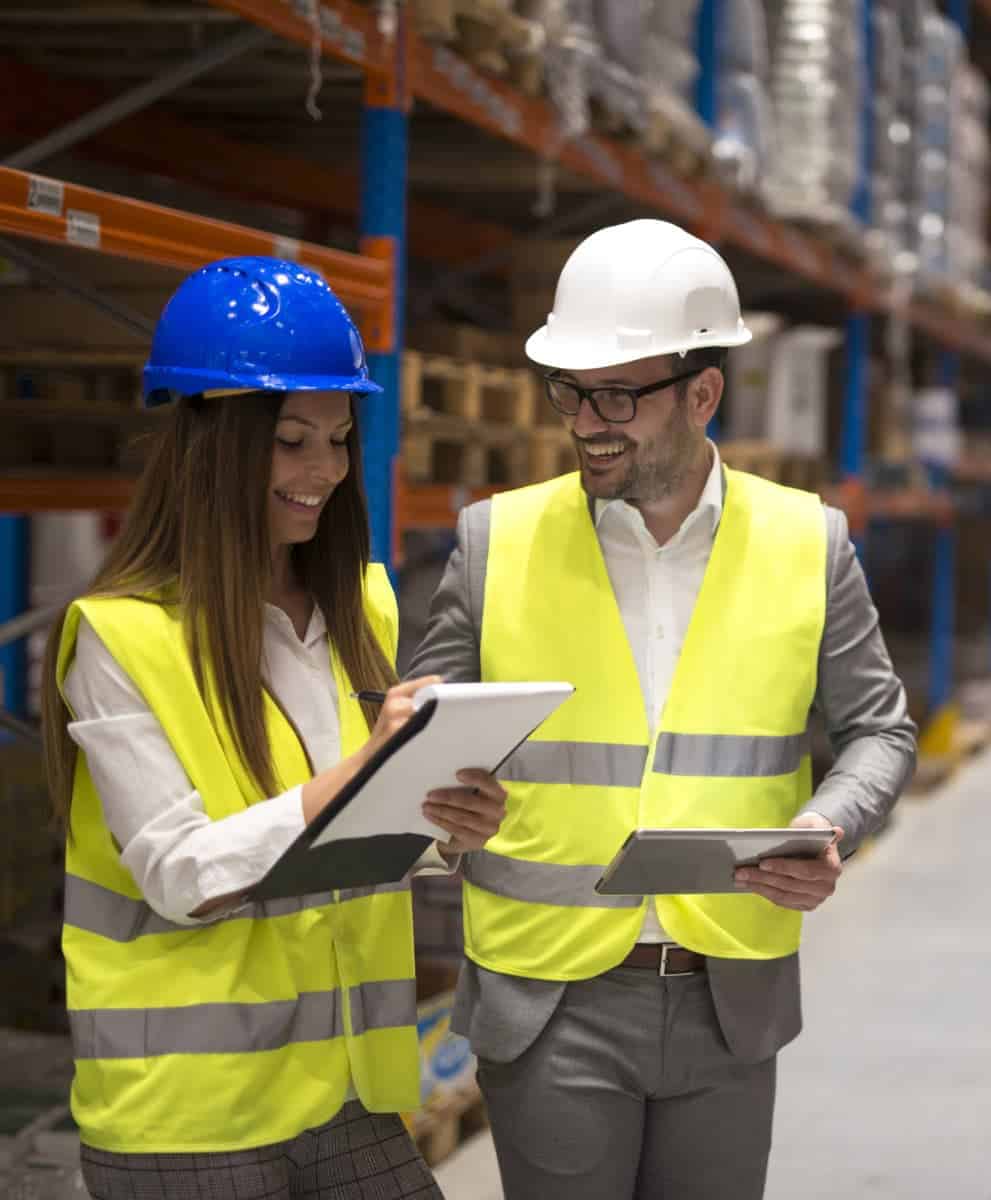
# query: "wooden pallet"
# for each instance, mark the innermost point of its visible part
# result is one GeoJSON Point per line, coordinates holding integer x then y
{"type": "Point", "coordinates": [441, 1126]}
{"type": "Point", "coordinates": [487, 34]}
{"type": "Point", "coordinates": [680, 139]}
{"type": "Point", "coordinates": [36, 433]}
{"type": "Point", "coordinates": [844, 237]}
{"type": "Point", "coordinates": [434, 384]}
{"type": "Point", "coordinates": [469, 343]}
{"type": "Point", "coordinates": [71, 380]}
{"type": "Point", "coordinates": [771, 462]}
{"type": "Point", "coordinates": [552, 453]}
{"type": "Point", "coordinates": [446, 449]}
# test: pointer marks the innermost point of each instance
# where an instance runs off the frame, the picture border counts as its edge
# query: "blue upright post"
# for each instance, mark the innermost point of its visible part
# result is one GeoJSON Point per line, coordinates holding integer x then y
{"type": "Point", "coordinates": [384, 149]}
{"type": "Point", "coordinates": [862, 204]}
{"type": "Point", "coordinates": [853, 434]}
{"type": "Point", "coordinates": [944, 566]}
{"type": "Point", "coordinates": [853, 443]}
{"type": "Point", "coordinates": [943, 607]}
{"type": "Point", "coordinates": [959, 13]}
{"type": "Point", "coordinates": [710, 18]}
{"type": "Point", "coordinates": [942, 618]}
{"type": "Point", "coordinates": [13, 602]}
{"type": "Point", "coordinates": [853, 437]}
{"type": "Point", "coordinates": [708, 24]}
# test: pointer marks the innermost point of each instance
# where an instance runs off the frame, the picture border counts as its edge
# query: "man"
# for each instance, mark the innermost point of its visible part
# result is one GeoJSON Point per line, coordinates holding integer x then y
{"type": "Point", "coordinates": [627, 1045]}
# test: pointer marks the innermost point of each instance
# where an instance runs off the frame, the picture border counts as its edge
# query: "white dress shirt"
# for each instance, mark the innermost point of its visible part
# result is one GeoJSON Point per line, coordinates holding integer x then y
{"type": "Point", "coordinates": [178, 856]}
{"type": "Point", "coordinates": [656, 588]}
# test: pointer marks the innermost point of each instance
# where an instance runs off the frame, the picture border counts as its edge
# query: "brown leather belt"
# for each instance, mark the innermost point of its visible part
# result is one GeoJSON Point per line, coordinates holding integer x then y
{"type": "Point", "coordinates": [665, 958]}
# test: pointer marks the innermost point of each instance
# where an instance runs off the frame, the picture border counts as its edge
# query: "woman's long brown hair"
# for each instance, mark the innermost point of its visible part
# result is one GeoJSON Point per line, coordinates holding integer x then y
{"type": "Point", "coordinates": [197, 536]}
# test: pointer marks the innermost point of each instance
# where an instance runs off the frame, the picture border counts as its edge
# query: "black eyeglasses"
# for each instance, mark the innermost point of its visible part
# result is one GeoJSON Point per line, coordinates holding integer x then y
{"type": "Point", "coordinates": [613, 404]}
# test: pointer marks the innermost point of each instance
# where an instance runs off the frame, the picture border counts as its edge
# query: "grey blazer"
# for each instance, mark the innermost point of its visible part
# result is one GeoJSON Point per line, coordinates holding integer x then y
{"type": "Point", "coordinates": [863, 707]}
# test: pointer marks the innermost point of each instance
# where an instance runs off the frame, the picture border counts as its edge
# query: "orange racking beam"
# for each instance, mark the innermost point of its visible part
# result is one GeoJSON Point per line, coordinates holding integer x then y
{"type": "Point", "coordinates": [442, 78]}
{"type": "Point", "coordinates": [65, 493]}
{"type": "Point", "coordinates": [48, 210]}
{"type": "Point", "coordinates": [153, 141]}
{"type": "Point", "coordinates": [350, 32]}
{"type": "Point", "coordinates": [445, 80]}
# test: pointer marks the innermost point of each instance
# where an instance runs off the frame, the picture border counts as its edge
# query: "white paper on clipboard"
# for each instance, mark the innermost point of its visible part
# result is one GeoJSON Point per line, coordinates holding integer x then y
{"type": "Point", "coordinates": [472, 725]}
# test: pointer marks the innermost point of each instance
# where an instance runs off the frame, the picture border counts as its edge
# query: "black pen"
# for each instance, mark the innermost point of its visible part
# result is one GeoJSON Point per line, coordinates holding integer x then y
{"type": "Point", "coordinates": [373, 697]}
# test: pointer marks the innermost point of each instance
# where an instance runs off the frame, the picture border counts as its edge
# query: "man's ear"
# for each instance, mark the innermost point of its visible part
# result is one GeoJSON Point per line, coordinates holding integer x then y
{"type": "Point", "coordinates": [705, 395]}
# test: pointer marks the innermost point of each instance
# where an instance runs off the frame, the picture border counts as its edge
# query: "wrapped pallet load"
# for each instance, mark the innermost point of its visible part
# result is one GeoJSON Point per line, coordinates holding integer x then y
{"type": "Point", "coordinates": [744, 142]}
{"type": "Point", "coordinates": [818, 58]}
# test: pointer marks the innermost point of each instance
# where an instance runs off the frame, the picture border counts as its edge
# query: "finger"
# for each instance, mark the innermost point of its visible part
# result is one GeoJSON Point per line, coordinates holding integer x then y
{"type": "Point", "coordinates": [785, 898]}
{"type": "Point", "coordinates": [459, 820]}
{"type": "Point", "coordinates": [483, 781]}
{"type": "Point", "coordinates": [799, 868]}
{"type": "Point", "coordinates": [397, 707]}
{"type": "Point", "coordinates": [471, 799]}
{"type": "Point", "coordinates": [410, 687]}
{"type": "Point", "coordinates": [460, 840]}
{"type": "Point", "coordinates": [807, 886]}
{"type": "Point", "coordinates": [486, 819]}
{"type": "Point", "coordinates": [473, 818]}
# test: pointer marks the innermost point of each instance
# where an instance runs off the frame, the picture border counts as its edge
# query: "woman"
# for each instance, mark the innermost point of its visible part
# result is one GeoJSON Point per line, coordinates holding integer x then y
{"type": "Point", "coordinates": [198, 714]}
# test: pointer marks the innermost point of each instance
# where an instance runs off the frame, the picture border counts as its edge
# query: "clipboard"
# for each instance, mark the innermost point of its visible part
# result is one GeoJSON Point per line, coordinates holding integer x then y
{"type": "Point", "coordinates": [373, 830]}
{"type": "Point", "coordinates": [657, 862]}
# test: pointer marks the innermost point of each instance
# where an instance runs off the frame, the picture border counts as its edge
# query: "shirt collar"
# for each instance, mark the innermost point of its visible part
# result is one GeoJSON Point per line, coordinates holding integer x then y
{"type": "Point", "coordinates": [710, 505]}
{"type": "Point", "coordinates": [315, 630]}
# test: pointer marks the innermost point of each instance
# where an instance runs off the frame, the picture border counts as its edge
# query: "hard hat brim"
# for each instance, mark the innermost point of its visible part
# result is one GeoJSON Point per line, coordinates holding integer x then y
{"type": "Point", "coordinates": [562, 355]}
{"type": "Point", "coordinates": [193, 383]}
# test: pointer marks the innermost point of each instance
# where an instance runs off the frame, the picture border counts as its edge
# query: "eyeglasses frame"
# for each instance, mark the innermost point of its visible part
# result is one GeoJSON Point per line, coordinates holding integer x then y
{"type": "Point", "coordinates": [634, 394]}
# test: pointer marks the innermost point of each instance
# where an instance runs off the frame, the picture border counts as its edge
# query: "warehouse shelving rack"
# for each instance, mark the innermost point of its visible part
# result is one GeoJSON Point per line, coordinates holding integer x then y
{"type": "Point", "coordinates": [399, 66]}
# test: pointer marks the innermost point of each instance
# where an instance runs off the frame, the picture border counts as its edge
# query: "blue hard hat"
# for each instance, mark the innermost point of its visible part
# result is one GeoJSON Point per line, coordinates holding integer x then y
{"type": "Point", "coordinates": [258, 323]}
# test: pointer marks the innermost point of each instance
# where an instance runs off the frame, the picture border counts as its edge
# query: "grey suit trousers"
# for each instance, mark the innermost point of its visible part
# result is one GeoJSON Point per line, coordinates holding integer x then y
{"type": "Point", "coordinates": [631, 1093]}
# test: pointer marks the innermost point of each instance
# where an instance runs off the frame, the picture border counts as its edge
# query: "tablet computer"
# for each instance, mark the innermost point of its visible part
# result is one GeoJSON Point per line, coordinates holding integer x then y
{"type": "Point", "coordinates": [681, 861]}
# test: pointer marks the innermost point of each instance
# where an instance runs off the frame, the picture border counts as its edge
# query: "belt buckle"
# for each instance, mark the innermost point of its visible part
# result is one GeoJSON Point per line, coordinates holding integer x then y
{"type": "Point", "coordinates": [662, 966]}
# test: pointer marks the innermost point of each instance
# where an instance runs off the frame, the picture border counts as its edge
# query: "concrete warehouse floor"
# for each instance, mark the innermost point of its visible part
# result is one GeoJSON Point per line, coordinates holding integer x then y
{"type": "Point", "coordinates": [887, 1093]}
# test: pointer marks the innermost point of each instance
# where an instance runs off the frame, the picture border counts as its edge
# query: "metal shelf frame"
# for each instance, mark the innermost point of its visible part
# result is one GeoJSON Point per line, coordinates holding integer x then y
{"type": "Point", "coordinates": [48, 210]}
{"type": "Point", "coordinates": [403, 66]}
{"type": "Point", "coordinates": [441, 78]}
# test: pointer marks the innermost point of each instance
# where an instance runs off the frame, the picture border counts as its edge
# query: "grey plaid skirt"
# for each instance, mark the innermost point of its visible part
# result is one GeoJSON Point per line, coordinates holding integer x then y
{"type": "Point", "coordinates": [356, 1156]}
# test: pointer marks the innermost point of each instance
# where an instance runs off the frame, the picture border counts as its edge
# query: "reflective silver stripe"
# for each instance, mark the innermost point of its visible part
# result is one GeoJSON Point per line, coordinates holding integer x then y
{"type": "Point", "coordinates": [382, 889]}
{"type": "Point", "coordinates": [711, 755]}
{"type": "Point", "coordinates": [107, 913]}
{"type": "Point", "coordinates": [387, 1004]}
{"type": "Point", "coordinates": [598, 764]}
{"type": "Point", "coordinates": [205, 1028]}
{"type": "Point", "coordinates": [540, 882]}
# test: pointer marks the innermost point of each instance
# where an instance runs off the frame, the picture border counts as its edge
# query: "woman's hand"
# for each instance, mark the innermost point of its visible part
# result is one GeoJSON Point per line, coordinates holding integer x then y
{"type": "Point", "coordinates": [470, 814]}
{"type": "Point", "coordinates": [396, 710]}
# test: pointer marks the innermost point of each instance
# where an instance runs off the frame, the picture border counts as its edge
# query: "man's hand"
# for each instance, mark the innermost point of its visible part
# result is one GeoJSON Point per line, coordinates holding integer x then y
{"type": "Point", "coordinates": [800, 883]}
{"type": "Point", "coordinates": [470, 814]}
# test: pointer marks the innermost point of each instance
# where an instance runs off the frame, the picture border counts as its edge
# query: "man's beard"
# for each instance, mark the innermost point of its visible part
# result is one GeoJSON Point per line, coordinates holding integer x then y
{"type": "Point", "coordinates": [656, 468]}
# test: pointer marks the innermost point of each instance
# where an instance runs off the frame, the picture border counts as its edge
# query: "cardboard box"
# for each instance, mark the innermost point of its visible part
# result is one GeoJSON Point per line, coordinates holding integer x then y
{"type": "Point", "coordinates": [799, 391]}
{"type": "Point", "coordinates": [748, 379]}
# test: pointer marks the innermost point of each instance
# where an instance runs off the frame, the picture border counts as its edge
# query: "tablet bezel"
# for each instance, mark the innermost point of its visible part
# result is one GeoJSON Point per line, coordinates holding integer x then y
{"type": "Point", "coordinates": [761, 843]}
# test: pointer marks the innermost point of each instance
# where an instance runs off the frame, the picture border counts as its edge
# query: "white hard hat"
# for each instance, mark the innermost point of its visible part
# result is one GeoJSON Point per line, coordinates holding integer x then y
{"type": "Point", "coordinates": [634, 291]}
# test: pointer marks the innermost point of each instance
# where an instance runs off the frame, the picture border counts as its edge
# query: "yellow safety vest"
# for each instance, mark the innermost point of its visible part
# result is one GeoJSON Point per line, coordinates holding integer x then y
{"type": "Point", "coordinates": [246, 1031]}
{"type": "Point", "coordinates": [730, 747]}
